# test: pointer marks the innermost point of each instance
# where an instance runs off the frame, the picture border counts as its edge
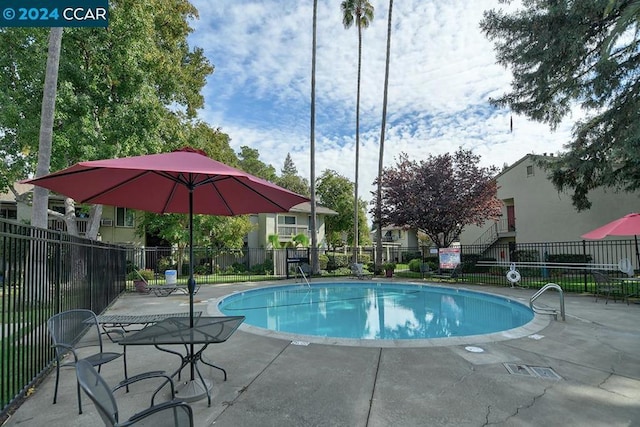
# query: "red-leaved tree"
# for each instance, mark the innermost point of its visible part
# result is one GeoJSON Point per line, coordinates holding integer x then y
{"type": "Point", "coordinates": [440, 195]}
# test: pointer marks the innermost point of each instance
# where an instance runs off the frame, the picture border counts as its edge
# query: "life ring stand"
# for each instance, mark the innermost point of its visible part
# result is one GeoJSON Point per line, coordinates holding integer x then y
{"type": "Point", "coordinates": [513, 276]}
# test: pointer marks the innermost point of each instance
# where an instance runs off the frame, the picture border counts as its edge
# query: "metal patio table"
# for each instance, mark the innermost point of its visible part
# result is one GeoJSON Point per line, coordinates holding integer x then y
{"type": "Point", "coordinates": [123, 321]}
{"type": "Point", "coordinates": [206, 330]}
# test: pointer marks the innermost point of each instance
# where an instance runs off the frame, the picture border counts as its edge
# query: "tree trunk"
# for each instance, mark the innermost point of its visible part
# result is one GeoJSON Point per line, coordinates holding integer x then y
{"type": "Point", "coordinates": [381, 155]}
{"type": "Point", "coordinates": [356, 205]}
{"type": "Point", "coordinates": [93, 226]}
{"type": "Point", "coordinates": [36, 277]}
{"type": "Point", "coordinates": [41, 195]}
{"type": "Point", "coordinates": [315, 264]}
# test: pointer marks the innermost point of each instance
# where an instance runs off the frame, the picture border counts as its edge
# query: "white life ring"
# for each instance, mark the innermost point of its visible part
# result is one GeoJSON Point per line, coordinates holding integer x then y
{"type": "Point", "coordinates": [513, 276]}
{"type": "Point", "coordinates": [625, 266]}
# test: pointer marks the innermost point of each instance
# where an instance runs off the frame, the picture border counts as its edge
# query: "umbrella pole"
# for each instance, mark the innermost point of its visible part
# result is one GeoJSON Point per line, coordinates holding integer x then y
{"type": "Point", "coordinates": [191, 283]}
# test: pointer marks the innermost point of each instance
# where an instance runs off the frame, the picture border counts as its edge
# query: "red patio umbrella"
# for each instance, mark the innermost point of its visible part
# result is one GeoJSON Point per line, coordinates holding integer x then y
{"type": "Point", "coordinates": [628, 225]}
{"type": "Point", "coordinates": [183, 181]}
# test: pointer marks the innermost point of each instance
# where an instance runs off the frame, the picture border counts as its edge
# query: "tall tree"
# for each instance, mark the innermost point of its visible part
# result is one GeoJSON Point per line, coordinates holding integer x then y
{"type": "Point", "coordinates": [360, 12]}
{"type": "Point", "coordinates": [378, 201]}
{"type": "Point", "coordinates": [250, 162]}
{"type": "Point", "coordinates": [22, 73]}
{"type": "Point", "coordinates": [565, 54]}
{"type": "Point", "coordinates": [290, 179]}
{"type": "Point", "coordinates": [125, 90]}
{"type": "Point", "coordinates": [440, 195]}
{"type": "Point", "coordinates": [336, 192]}
{"type": "Point", "coordinates": [315, 264]}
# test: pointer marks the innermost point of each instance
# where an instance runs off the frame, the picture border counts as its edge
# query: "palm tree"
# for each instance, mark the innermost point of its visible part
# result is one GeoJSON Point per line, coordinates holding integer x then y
{"type": "Point", "coordinates": [315, 265]}
{"type": "Point", "coordinates": [360, 12]}
{"type": "Point", "coordinates": [381, 155]}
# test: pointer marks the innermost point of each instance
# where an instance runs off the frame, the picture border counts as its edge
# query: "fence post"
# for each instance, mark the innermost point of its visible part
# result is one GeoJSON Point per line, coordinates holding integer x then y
{"type": "Point", "coordinates": [90, 274]}
{"type": "Point", "coordinates": [59, 273]}
{"type": "Point", "coordinates": [584, 274]}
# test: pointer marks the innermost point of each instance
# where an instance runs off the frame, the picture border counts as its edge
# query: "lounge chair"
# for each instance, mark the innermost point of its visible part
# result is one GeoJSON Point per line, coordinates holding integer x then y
{"type": "Point", "coordinates": [166, 290]}
{"type": "Point", "coordinates": [357, 270]}
{"type": "Point", "coordinates": [450, 275]}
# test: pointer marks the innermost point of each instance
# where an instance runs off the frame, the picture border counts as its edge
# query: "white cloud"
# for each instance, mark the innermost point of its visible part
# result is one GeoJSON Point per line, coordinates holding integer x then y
{"type": "Point", "coordinates": [442, 73]}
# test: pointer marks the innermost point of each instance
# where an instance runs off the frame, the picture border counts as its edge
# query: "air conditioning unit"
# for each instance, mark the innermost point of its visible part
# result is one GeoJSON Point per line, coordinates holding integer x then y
{"type": "Point", "coordinates": [107, 222]}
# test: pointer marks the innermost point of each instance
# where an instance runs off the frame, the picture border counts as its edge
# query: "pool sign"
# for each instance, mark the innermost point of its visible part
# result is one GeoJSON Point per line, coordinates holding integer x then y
{"type": "Point", "coordinates": [54, 13]}
{"type": "Point", "coordinates": [449, 258]}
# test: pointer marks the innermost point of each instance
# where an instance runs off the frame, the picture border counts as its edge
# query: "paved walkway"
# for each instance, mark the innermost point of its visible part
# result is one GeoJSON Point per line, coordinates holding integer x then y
{"type": "Point", "coordinates": [273, 382]}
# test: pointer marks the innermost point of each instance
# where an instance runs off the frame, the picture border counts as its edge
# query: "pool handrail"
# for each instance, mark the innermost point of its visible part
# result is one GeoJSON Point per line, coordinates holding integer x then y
{"type": "Point", "coordinates": [551, 311]}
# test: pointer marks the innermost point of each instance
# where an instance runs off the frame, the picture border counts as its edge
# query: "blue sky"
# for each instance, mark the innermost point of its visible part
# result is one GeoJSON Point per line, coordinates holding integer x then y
{"type": "Point", "coordinates": [443, 71]}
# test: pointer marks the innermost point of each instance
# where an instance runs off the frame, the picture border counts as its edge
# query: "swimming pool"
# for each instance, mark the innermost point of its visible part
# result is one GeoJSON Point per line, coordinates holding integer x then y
{"type": "Point", "coordinates": [373, 311]}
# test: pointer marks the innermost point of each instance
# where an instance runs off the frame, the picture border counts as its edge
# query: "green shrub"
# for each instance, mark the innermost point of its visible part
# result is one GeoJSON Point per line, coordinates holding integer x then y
{"type": "Point", "coordinates": [239, 267]}
{"type": "Point", "coordinates": [363, 258]}
{"type": "Point", "coordinates": [202, 269]}
{"type": "Point", "coordinates": [262, 268]}
{"type": "Point", "coordinates": [337, 260]}
{"type": "Point", "coordinates": [408, 256]}
{"type": "Point", "coordinates": [146, 274]}
{"type": "Point", "coordinates": [388, 266]}
{"type": "Point", "coordinates": [485, 268]}
{"type": "Point", "coordinates": [323, 260]}
{"type": "Point", "coordinates": [570, 258]}
{"type": "Point", "coordinates": [166, 263]}
{"type": "Point", "coordinates": [497, 271]}
{"type": "Point", "coordinates": [526, 255]}
{"type": "Point", "coordinates": [469, 262]}
{"type": "Point", "coordinates": [415, 264]}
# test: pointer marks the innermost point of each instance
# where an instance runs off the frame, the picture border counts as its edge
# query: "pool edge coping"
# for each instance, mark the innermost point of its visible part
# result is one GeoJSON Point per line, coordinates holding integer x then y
{"type": "Point", "coordinates": [537, 324]}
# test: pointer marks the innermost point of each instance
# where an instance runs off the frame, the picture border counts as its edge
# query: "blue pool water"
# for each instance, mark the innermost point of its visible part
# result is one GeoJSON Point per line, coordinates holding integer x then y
{"type": "Point", "coordinates": [376, 311]}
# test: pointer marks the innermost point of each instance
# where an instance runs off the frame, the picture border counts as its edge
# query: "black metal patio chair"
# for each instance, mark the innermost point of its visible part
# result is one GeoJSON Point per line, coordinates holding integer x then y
{"type": "Point", "coordinates": [605, 286]}
{"type": "Point", "coordinates": [171, 413]}
{"type": "Point", "coordinates": [74, 329]}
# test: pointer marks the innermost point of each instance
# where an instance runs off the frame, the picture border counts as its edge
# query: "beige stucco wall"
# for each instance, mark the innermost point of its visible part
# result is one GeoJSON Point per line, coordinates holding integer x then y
{"type": "Point", "coordinates": [119, 235]}
{"type": "Point", "coordinates": [542, 214]}
{"type": "Point", "coordinates": [252, 236]}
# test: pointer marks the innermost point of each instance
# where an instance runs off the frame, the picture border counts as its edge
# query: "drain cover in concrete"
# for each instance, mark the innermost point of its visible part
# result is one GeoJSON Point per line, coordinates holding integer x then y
{"type": "Point", "coordinates": [547, 373]}
{"type": "Point", "coordinates": [532, 371]}
{"type": "Point", "coordinates": [516, 369]}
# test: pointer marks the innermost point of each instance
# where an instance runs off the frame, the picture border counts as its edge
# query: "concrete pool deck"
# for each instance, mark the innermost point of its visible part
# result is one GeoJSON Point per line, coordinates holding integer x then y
{"type": "Point", "coordinates": [279, 382]}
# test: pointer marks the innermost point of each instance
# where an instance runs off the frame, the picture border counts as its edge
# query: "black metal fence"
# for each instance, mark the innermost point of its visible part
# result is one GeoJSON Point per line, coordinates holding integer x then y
{"type": "Point", "coordinates": [229, 265]}
{"type": "Point", "coordinates": [43, 272]}
{"type": "Point", "coordinates": [568, 264]}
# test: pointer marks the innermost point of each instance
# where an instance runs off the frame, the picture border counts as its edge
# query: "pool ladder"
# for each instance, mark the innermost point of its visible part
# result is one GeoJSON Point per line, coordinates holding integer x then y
{"type": "Point", "coordinates": [551, 311]}
{"type": "Point", "coordinates": [304, 276]}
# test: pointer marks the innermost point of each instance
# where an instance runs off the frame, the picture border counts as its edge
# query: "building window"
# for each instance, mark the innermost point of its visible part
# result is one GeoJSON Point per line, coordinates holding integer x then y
{"type": "Point", "coordinates": [8, 213]}
{"type": "Point", "coordinates": [125, 217]}
{"type": "Point", "coordinates": [530, 170]}
{"type": "Point", "coordinates": [286, 220]}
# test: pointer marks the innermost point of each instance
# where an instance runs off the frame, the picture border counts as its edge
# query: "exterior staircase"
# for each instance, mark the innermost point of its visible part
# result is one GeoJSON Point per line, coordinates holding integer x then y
{"type": "Point", "coordinates": [491, 235]}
